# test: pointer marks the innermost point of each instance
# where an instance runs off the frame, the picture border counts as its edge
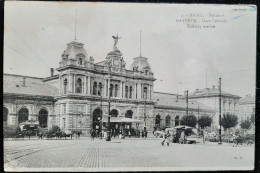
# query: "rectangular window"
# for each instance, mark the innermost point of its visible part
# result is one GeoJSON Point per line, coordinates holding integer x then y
{"type": "Point", "coordinates": [64, 108]}
{"type": "Point", "coordinates": [64, 122]}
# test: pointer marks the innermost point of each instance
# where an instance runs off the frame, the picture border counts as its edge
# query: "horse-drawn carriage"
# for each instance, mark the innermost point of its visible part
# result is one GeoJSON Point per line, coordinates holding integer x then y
{"type": "Point", "coordinates": [15, 132]}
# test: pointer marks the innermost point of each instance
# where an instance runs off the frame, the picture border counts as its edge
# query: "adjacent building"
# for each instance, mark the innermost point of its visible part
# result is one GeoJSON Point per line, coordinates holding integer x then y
{"type": "Point", "coordinates": [210, 97]}
{"type": "Point", "coordinates": [246, 107]}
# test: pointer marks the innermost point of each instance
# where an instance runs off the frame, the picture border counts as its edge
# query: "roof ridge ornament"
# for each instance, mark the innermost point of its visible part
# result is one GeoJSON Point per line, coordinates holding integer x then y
{"type": "Point", "coordinates": [115, 41]}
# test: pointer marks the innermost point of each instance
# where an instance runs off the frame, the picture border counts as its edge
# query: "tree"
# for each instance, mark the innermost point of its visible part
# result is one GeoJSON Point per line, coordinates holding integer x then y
{"type": "Point", "coordinates": [228, 121]}
{"type": "Point", "coordinates": [189, 120]}
{"type": "Point", "coordinates": [245, 124]}
{"type": "Point", "coordinates": [204, 121]}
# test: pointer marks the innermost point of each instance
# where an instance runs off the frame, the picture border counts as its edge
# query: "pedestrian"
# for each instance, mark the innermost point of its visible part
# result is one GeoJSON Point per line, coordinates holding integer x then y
{"type": "Point", "coordinates": [145, 133]}
{"type": "Point", "coordinates": [167, 139]}
{"type": "Point", "coordinates": [163, 138]}
{"type": "Point", "coordinates": [142, 134]}
{"type": "Point", "coordinates": [40, 135]}
{"type": "Point", "coordinates": [182, 141]}
{"type": "Point", "coordinates": [92, 135]}
{"type": "Point", "coordinates": [105, 134]}
{"type": "Point", "coordinates": [79, 132]}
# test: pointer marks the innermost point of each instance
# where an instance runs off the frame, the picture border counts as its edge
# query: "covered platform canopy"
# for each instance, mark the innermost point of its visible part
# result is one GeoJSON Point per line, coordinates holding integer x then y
{"type": "Point", "coordinates": [121, 120]}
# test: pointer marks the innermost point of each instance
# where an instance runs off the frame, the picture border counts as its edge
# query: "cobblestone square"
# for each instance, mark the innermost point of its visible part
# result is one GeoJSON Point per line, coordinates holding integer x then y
{"type": "Point", "coordinates": [128, 154]}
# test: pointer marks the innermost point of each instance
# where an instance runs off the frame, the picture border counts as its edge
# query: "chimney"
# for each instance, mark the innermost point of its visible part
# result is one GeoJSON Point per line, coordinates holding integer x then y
{"type": "Point", "coordinates": [52, 71]}
{"type": "Point", "coordinates": [213, 86]}
{"type": "Point", "coordinates": [24, 81]}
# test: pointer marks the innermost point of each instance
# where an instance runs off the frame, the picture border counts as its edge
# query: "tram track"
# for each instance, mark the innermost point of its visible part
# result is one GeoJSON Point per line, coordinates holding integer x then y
{"type": "Point", "coordinates": [25, 145]}
{"type": "Point", "coordinates": [29, 153]}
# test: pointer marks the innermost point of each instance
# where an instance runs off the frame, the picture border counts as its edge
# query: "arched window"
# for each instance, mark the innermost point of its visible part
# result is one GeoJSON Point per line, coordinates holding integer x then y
{"type": "Point", "coordinates": [114, 113]}
{"type": "Point", "coordinates": [116, 90]}
{"type": "Point", "coordinates": [168, 121]}
{"type": "Point", "coordinates": [65, 82]}
{"type": "Point", "coordinates": [157, 120]}
{"type": "Point", "coordinates": [111, 90]}
{"type": "Point", "coordinates": [145, 93]}
{"type": "Point", "coordinates": [100, 88]}
{"type": "Point", "coordinates": [126, 91]}
{"type": "Point", "coordinates": [23, 115]}
{"type": "Point", "coordinates": [79, 86]}
{"type": "Point", "coordinates": [80, 61]}
{"type": "Point", "coordinates": [130, 92]}
{"type": "Point", "coordinates": [5, 114]}
{"type": "Point", "coordinates": [129, 114]}
{"type": "Point", "coordinates": [97, 117]}
{"type": "Point", "coordinates": [177, 121]}
{"type": "Point", "coordinates": [95, 88]}
{"type": "Point", "coordinates": [43, 118]}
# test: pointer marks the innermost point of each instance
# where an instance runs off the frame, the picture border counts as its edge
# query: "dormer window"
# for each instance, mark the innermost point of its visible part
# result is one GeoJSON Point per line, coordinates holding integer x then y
{"type": "Point", "coordinates": [146, 72]}
{"type": "Point", "coordinates": [80, 61]}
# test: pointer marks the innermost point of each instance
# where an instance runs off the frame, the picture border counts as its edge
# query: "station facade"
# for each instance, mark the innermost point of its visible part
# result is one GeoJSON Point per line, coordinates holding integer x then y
{"type": "Point", "coordinates": [78, 96]}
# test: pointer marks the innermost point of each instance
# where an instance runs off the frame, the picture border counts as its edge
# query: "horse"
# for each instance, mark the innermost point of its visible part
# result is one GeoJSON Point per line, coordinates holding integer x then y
{"type": "Point", "coordinates": [13, 134]}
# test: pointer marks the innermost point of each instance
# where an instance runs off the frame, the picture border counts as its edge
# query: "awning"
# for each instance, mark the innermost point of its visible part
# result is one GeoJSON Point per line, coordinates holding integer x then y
{"type": "Point", "coordinates": [30, 123]}
{"type": "Point", "coordinates": [121, 120]}
{"type": "Point", "coordinates": [183, 127]}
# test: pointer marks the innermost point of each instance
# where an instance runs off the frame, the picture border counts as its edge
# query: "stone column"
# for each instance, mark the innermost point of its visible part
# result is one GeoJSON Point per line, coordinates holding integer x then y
{"type": "Point", "coordinates": [121, 89]}
{"type": "Point", "coordinates": [148, 92]}
{"type": "Point", "coordinates": [136, 91]}
{"type": "Point", "coordinates": [139, 95]}
{"type": "Point", "coordinates": [60, 78]}
{"type": "Point", "coordinates": [84, 85]}
{"type": "Point", "coordinates": [105, 88]}
{"type": "Point", "coordinates": [142, 94]}
{"type": "Point", "coordinates": [151, 91]}
{"type": "Point", "coordinates": [109, 87]}
{"type": "Point", "coordinates": [69, 83]}
{"type": "Point", "coordinates": [89, 85]}
{"type": "Point", "coordinates": [74, 83]}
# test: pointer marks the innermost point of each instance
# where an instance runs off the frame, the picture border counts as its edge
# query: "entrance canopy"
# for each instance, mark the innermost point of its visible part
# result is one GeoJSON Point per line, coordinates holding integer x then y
{"type": "Point", "coordinates": [121, 120]}
{"type": "Point", "coordinates": [33, 123]}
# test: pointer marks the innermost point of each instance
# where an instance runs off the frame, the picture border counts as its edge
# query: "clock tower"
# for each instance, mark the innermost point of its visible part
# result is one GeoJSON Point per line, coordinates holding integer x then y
{"type": "Point", "coordinates": [115, 57]}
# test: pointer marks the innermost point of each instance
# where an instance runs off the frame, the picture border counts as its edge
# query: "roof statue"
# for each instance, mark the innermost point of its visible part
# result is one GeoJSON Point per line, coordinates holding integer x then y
{"type": "Point", "coordinates": [115, 40]}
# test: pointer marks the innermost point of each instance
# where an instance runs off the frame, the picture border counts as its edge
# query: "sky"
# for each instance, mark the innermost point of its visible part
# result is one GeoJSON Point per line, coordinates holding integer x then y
{"type": "Point", "coordinates": [181, 58]}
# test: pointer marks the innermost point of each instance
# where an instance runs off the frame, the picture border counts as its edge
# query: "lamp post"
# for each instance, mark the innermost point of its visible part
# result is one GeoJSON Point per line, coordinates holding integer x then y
{"type": "Point", "coordinates": [219, 142]}
{"type": "Point", "coordinates": [198, 114]}
{"type": "Point", "coordinates": [101, 112]}
{"type": "Point", "coordinates": [108, 120]}
{"type": "Point", "coordinates": [187, 102]}
{"type": "Point", "coordinates": [145, 92]}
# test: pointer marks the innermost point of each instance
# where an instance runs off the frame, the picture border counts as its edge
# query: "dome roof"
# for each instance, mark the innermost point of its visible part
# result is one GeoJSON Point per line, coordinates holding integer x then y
{"type": "Point", "coordinates": [75, 49]}
{"type": "Point", "coordinates": [141, 64]}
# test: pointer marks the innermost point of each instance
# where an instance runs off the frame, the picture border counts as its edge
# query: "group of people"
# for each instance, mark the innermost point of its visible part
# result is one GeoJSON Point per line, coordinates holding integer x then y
{"type": "Point", "coordinates": [122, 134]}
{"type": "Point", "coordinates": [176, 137]}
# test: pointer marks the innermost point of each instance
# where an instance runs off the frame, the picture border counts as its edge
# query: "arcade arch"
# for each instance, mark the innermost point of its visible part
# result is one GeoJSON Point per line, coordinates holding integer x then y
{"type": "Point", "coordinates": [43, 118]}
{"type": "Point", "coordinates": [23, 115]}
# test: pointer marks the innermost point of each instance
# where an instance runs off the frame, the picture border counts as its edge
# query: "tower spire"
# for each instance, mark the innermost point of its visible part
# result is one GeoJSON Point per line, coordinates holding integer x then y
{"type": "Point", "coordinates": [75, 26]}
{"type": "Point", "coordinates": [140, 43]}
{"type": "Point", "coordinates": [206, 78]}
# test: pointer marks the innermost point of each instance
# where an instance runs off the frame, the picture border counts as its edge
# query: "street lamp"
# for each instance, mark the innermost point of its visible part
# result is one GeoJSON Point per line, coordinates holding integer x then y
{"type": "Point", "coordinates": [198, 115]}
{"type": "Point", "coordinates": [220, 141]}
{"type": "Point", "coordinates": [108, 120]}
{"type": "Point", "coordinates": [145, 92]}
{"type": "Point", "coordinates": [187, 102]}
{"type": "Point", "coordinates": [101, 112]}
